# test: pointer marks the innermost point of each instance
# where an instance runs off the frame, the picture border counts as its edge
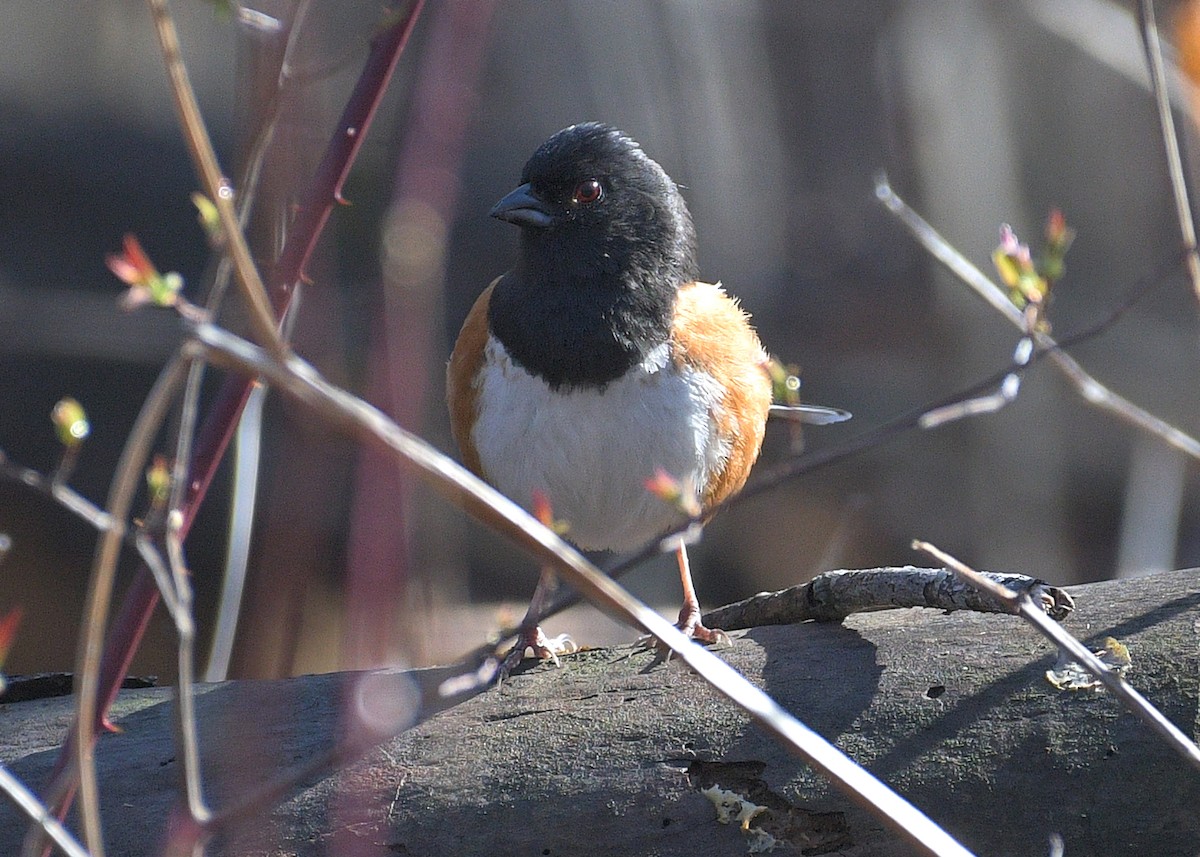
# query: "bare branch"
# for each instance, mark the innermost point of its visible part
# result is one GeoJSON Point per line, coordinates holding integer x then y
{"type": "Point", "coordinates": [1023, 605]}
{"type": "Point", "coordinates": [29, 804]}
{"type": "Point", "coordinates": [153, 558]}
{"type": "Point", "coordinates": [352, 127]}
{"type": "Point", "coordinates": [1166, 121]}
{"type": "Point", "coordinates": [247, 450]}
{"type": "Point", "coordinates": [1088, 387]}
{"type": "Point", "coordinates": [834, 595]}
{"type": "Point", "coordinates": [64, 495]}
{"type": "Point", "coordinates": [216, 186]}
{"type": "Point", "coordinates": [185, 626]}
{"type": "Point", "coordinates": [987, 404]}
{"type": "Point", "coordinates": [100, 586]}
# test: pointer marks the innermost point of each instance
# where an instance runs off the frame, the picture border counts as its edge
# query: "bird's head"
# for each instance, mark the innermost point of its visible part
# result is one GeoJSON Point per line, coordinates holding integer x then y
{"type": "Point", "coordinates": [593, 207]}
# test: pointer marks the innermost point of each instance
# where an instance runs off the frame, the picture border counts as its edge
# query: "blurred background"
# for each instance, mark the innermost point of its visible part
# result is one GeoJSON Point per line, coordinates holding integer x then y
{"type": "Point", "coordinates": [775, 118]}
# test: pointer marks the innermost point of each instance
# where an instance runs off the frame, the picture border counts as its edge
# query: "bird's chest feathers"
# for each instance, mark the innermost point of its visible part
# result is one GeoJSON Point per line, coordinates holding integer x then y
{"type": "Point", "coordinates": [590, 451]}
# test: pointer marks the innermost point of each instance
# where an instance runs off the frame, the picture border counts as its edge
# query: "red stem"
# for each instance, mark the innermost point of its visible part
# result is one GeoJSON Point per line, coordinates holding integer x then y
{"type": "Point", "coordinates": [386, 48]}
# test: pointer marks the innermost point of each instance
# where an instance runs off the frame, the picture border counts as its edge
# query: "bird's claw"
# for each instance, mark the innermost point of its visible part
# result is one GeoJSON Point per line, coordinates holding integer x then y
{"type": "Point", "coordinates": [543, 648]}
{"type": "Point", "coordinates": [689, 624]}
{"type": "Point", "coordinates": [708, 636]}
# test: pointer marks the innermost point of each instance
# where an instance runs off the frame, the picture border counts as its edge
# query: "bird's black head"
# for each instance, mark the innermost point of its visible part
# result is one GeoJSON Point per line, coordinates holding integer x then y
{"type": "Point", "coordinates": [606, 240]}
{"type": "Point", "coordinates": [592, 205]}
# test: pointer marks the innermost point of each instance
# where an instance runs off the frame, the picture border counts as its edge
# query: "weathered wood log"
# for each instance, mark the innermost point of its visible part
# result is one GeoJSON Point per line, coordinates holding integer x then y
{"type": "Point", "coordinates": [612, 753]}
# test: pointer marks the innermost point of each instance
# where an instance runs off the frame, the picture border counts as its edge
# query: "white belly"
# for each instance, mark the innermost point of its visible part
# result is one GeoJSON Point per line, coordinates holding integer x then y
{"type": "Point", "coordinates": [590, 452]}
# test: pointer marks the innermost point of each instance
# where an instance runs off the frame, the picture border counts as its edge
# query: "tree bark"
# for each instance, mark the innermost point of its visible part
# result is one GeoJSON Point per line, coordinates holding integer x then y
{"type": "Point", "coordinates": [609, 754]}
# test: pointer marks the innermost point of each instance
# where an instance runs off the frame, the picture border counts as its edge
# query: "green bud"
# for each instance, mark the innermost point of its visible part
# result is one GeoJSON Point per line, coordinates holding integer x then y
{"type": "Point", "coordinates": [70, 422]}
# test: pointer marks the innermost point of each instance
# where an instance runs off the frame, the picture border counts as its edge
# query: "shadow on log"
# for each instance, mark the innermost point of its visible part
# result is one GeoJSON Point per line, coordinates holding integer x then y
{"type": "Point", "coordinates": [616, 754]}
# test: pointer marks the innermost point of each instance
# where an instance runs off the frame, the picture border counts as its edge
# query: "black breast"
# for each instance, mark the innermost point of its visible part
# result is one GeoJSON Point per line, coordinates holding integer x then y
{"type": "Point", "coordinates": [578, 336]}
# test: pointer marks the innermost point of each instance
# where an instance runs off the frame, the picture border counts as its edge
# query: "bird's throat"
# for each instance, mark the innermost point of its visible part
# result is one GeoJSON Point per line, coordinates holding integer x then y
{"type": "Point", "coordinates": [581, 334]}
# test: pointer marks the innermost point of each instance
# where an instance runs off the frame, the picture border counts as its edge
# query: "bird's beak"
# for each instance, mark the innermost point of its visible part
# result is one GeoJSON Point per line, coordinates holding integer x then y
{"type": "Point", "coordinates": [523, 208]}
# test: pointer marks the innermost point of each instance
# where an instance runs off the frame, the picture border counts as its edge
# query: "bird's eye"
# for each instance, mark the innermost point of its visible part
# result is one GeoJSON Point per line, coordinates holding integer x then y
{"type": "Point", "coordinates": [587, 192]}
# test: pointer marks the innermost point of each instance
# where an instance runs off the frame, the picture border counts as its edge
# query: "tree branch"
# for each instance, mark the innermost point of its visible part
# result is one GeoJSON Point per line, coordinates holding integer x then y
{"type": "Point", "coordinates": [834, 595]}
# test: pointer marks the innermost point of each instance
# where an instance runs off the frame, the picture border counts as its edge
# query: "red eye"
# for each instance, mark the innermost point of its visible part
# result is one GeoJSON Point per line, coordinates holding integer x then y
{"type": "Point", "coordinates": [587, 192]}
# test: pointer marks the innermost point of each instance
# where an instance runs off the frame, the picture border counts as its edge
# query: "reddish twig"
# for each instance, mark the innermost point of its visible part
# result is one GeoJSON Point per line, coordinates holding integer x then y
{"type": "Point", "coordinates": [218, 427]}
{"type": "Point", "coordinates": [326, 189]}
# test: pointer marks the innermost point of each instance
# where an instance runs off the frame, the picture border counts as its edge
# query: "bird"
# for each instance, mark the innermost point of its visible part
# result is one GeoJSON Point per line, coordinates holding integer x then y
{"type": "Point", "coordinates": [601, 361]}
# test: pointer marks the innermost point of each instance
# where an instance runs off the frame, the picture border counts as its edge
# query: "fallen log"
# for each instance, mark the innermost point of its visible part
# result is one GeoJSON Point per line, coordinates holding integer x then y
{"type": "Point", "coordinates": [618, 753]}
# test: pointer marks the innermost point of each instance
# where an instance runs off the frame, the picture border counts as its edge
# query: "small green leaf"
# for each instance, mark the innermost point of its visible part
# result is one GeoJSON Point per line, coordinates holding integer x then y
{"type": "Point", "coordinates": [208, 216]}
{"type": "Point", "coordinates": [1006, 266]}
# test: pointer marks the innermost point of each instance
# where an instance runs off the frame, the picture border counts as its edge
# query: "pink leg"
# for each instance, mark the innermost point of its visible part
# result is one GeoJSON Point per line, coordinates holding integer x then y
{"type": "Point", "coordinates": [531, 636]}
{"type": "Point", "coordinates": [689, 614]}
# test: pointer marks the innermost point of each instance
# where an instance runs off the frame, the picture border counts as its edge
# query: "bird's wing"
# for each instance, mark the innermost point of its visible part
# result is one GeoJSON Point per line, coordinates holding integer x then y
{"type": "Point", "coordinates": [711, 333]}
{"type": "Point", "coordinates": [462, 392]}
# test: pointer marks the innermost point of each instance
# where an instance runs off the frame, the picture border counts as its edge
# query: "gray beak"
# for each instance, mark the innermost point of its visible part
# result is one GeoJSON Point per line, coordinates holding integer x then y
{"type": "Point", "coordinates": [524, 209]}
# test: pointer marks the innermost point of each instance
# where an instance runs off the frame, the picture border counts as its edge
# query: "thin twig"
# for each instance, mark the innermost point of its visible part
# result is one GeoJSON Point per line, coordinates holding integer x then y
{"type": "Point", "coordinates": [185, 626]}
{"type": "Point", "coordinates": [300, 381]}
{"type": "Point", "coordinates": [64, 495]}
{"type": "Point", "coordinates": [1004, 395]}
{"type": "Point", "coordinates": [152, 556]}
{"type": "Point", "coordinates": [1166, 121]}
{"type": "Point", "coordinates": [218, 426]}
{"type": "Point", "coordinates": [29, 804]}
{"type": "Point", "coordinates": [1023, 605]}
{"type": "Point", "coordinates": [243, 494]}
{"type": "Point", "coordinates": [1092, 390]}
{"type": "Point", "coordinates": [249, 426]}
{"type": "Point", "coordinates": [255, 158]}
{"type": "Point", "coordinates": [339, 156]}
{"type": "Point", "coordinates": [216, 186]}
{"type": "Point", "coordinates": [99, 596]}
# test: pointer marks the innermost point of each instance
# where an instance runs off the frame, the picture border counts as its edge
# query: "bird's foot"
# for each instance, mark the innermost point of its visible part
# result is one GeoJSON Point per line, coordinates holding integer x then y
{"type": "Point", "coordinates": [689, 623]}
{"type": "Point", "coordinates": [543, 648]}
{"type": "Point", "coordinates": [708, 636]}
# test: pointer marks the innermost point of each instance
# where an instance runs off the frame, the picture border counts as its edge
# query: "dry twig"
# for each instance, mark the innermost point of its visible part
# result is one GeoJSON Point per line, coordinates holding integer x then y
{"type": "Point", "coordinates": [1088, 387]}
{"type": "Point", "coordinates": [300, 381]}
{"type": "Point", "coordinates": [29, 804]}
{"type": "Point", "coordinates": [181, 588]}
{"type": "Point", "coordinates": [57, 490]}
{"type": "Point", "coordinates": [216, 186]}
{"type": "Point", "coordinates": [834, 595]}
{"type": "Point", "coordinates": [1166, 121]}
{"type": "Point", "coordinates": [99, 596]}
{"type": "Point", "coordinates": [1023, 605]}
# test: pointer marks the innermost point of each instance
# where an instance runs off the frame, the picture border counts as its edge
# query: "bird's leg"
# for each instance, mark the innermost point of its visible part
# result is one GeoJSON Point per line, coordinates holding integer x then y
{"type": "Point", "coordinates": [531, 636]}
{"type": "Point", "coordinates": [689, 614]}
